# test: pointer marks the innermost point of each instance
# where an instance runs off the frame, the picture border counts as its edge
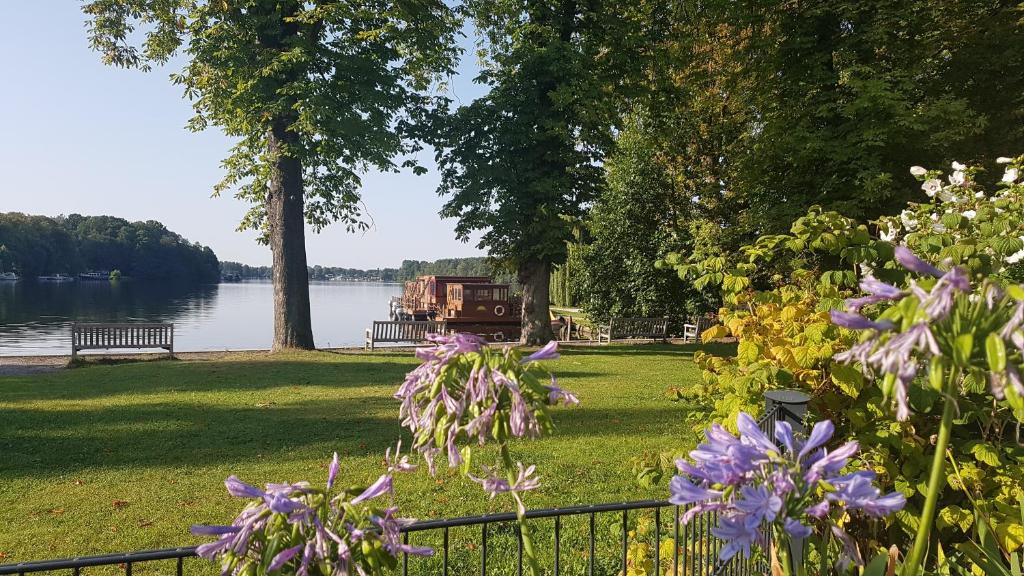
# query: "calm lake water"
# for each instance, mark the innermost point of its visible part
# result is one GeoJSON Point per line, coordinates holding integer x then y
{"type": "Point", "coordinates": [35, 318]}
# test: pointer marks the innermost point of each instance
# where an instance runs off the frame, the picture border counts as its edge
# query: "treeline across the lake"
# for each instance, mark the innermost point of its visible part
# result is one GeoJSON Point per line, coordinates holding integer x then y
{"type": "Point", "coordinates": [38, 245]}
{"type": "Point", "coordinates": [474, 266]}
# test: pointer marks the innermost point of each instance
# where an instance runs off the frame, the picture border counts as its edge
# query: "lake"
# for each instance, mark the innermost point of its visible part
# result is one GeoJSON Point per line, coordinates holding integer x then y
{"type": "Point", "coordinates": [35, 317]}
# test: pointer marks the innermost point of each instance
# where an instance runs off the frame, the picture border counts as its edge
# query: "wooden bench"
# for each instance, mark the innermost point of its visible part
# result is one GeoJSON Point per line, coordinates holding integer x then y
{"type": "Point", "coordinates": [633, 328]}
{"type": "Point", "coordinates": [136, 335]}
{"type": "Point", "coordinates": [692, 332]}
{"type": "Point", "coordinates": [395, 331]}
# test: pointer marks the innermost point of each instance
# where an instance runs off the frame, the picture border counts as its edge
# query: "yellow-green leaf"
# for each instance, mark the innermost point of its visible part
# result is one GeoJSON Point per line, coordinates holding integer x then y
{"type": "Point", "coordinates": [995, 352]}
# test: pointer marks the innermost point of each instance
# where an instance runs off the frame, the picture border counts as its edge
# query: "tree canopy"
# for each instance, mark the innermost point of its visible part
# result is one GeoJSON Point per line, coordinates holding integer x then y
{"type": "Point", "coordinates": [37, 245]}
{"type": "Point", "coordinates": [313, 92]}
{"type": "Point", "coordinates": [756, 111]}
{"type": "Point", "coordinates": [521, 162]}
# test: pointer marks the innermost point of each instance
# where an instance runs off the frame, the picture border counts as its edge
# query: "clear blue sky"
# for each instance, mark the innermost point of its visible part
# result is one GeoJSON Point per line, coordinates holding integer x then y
{"type": "Point", "coordinates": [77, 136]}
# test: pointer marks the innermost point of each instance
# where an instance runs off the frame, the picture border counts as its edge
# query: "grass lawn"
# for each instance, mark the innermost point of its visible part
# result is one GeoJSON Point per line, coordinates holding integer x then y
{"type": "Point", "coordinates": [119, 457]}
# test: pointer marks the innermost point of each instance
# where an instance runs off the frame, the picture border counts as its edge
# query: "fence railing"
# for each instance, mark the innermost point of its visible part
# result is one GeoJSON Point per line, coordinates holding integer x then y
{"type": "Point", "coordinates": [695, 549]}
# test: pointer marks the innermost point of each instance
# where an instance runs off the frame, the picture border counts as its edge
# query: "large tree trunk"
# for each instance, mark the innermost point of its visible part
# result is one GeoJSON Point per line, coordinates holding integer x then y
{"type": "Point", "coordinates": [536, 280]}
{"type": "Point", "coordinates": [286, 222]}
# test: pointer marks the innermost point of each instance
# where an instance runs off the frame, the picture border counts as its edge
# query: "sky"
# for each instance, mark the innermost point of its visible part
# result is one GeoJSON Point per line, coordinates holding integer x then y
{"type": "Point", "coordinates": [81, 137]}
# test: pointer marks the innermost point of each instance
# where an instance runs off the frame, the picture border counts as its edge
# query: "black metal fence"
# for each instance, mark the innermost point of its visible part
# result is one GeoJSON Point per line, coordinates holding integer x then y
{"type": "Point", "coordinates": [695, 550]}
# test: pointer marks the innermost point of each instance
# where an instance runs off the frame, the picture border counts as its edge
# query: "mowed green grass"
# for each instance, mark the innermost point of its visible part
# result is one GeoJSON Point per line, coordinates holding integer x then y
{"type": "Point", "coordinates": [120, 457]}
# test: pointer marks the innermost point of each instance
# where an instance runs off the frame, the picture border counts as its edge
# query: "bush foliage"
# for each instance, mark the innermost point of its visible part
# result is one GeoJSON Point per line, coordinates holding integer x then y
{"type": "Point", "coordinates": [777, 292]}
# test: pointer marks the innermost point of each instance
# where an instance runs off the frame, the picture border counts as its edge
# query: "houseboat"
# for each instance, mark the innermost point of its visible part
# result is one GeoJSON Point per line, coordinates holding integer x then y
{"type": "Point", "coordinates": [473, 304]}
{"type": "Point", "coordinates": [94, 276]}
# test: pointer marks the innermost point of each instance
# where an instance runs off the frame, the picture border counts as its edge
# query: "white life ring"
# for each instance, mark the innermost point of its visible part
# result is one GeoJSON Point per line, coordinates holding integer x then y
{"type": "Point", "coordinates": [499, 310]}
{"type": "Point", "coordinates": [499, 336]}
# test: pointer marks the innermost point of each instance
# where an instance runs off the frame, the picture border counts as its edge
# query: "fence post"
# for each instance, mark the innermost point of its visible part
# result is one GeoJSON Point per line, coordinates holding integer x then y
{"type": "Point", "coordinates": [791, 406]}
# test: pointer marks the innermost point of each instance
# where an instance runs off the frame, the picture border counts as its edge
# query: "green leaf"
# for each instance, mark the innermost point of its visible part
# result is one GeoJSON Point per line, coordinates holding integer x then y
{"type": "Point", "coordinates": [1016, 292]}
{"type": "Point", "coordinates": [986, 453]}
{"type": "Point", "coordinates": [963, 347]}
{"type": "Point", "coordinates": [995, 352]}
{"type": "Point", "coordinates": [848, 378]}
{"type": "Point", "coordinates": [936, 374]}
{"type": "Point", "coordinates": [747, 352]}
{"type": "Point", "coordinates": [955, 516]}
{"type": "Point", "coordinates": [1010, 535]}
{"type": "Point", "coordinates": [877, 566]}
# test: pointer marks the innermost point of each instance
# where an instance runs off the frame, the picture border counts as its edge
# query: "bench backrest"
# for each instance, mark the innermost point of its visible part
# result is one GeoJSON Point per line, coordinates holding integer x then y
{"type": "Point", "coordinates": [131, 335]}
{"type": "Point", "coordinates": [405, 330]}
{"type": "Point", "coordinates": [638, 327]}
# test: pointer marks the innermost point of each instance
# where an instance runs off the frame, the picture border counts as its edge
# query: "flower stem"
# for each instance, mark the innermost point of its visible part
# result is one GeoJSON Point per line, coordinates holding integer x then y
{"type": "Point", "coordinates": [916, 559]}
{"type": "Point", "coordinates": [533, 568]}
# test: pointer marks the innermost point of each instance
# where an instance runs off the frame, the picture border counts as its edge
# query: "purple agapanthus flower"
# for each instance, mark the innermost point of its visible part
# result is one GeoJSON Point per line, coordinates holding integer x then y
{"type": "Point", "coordinates": [464, 385]}
{"type": "Point", "coordinates": [548, 352]}
{"type": "Point", "coordinates": [797, 529]}
{"type": "Point", "coordinates": [738, 536]}
{"type": "Point", "coordinates": [240, 489]}
{"type": "Point", "coordinates": [857, 322]}
{"type": "Point", "coordinates": [858, 492]}
{"type": "Point", "coordinates": [332, 471]}
{"type": "Point", "coordinates": [283, 557]}
{"type": "Point", "coordinates": [380, 487]}
{"type": "Point", "coordinates": [876, 287]}
{"type": "Point", "coordinates": [494, 484]}
{"type": "Point", "coordinates": [906, 258]}
{"type": "Point", "coordinates": [758, 504]}
{"type": "Point", "coordinates": [312, 530]}
{"type": "Point", "coordinates": [757, 485]}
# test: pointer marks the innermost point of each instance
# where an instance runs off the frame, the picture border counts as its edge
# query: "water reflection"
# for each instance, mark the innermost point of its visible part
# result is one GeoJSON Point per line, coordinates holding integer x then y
{"type": "Point", "coordinates": [35, 317]}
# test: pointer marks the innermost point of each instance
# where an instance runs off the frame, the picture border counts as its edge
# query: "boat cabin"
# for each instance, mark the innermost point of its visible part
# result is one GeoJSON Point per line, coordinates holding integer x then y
{"type": "Point", "coordinates": [479, 301]}
{"type": "Point", "coordinates": [427, 296]}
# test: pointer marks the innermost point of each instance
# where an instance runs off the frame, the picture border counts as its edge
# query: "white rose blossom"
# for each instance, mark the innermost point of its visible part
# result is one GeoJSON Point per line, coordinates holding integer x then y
{"type": "Point", "coordinates": [1011, 175]}
{"type": "Point", "coordinates": [918, 171]}
{"type": "Point", "coordinates": [958, 166]}
{"type": "Point", "coordinates": [1003, 160]}
{"type": "Point", "coordinates": [957, 178]}
{"type": "Point", "coordinates": [970, 214]}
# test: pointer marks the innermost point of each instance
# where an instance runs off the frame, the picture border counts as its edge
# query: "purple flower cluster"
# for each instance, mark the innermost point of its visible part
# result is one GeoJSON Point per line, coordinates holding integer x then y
{"type": "Point", "coordinates": [312, 531]}
{"type": "Point", "coordinates": [466, 390]}
{"type": "Point", "coordinates": [787, 486]}
{"type": "Point", "coordinates": [929, 325]}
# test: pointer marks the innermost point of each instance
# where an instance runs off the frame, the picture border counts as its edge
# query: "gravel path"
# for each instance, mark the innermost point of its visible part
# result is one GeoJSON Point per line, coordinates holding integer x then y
{"type": "Point", "coordinates": [25, 365]}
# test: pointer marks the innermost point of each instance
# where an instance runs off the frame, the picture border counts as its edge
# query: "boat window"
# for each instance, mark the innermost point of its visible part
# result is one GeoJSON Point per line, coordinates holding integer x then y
{"type": "Point", "coordinates": [484, 294]}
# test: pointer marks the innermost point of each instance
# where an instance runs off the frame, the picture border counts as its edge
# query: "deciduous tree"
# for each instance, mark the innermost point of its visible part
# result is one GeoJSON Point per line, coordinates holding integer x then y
{"type": "Point", "coordinates": [522, 161]}
{"type": "Point", "coordinates": [313, 92]}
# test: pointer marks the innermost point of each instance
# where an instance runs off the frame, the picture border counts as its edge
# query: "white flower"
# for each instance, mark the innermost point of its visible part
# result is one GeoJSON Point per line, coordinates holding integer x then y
{"type": "Point", "coordinates": [909, 222]}
{"type": "Point", "coordinates": [931, 187]}
{"type": "Point", "coordinates": [918, 171]}
{"type": "Point", "coordinates": [946, 195]}
{"type": "Point", "coordinates": [979, 194]}
{"type": "Point", "coordinates": [1015, 257]}
{"type": "Point", "coordinates": [957, 178]}
{"type": "Point", "coordinates": [1003, 160]}
{"type": "Point", "coordinates": [970, 214]}
{"type": "Point", "coordinates": [888, 235]}
{"type": "Point", "coordinates": [958, 166]}
{"type": "Point", "coordinates": [1010, 176]}
{"type": "Point", "coordinates": [939, 227]}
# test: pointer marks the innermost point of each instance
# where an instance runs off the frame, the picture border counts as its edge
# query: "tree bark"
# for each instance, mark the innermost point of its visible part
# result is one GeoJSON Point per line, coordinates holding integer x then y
{"type": "Point", "coordinates": [535, 278]}
{"type": "Point", "coordinates": [286, 221]}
